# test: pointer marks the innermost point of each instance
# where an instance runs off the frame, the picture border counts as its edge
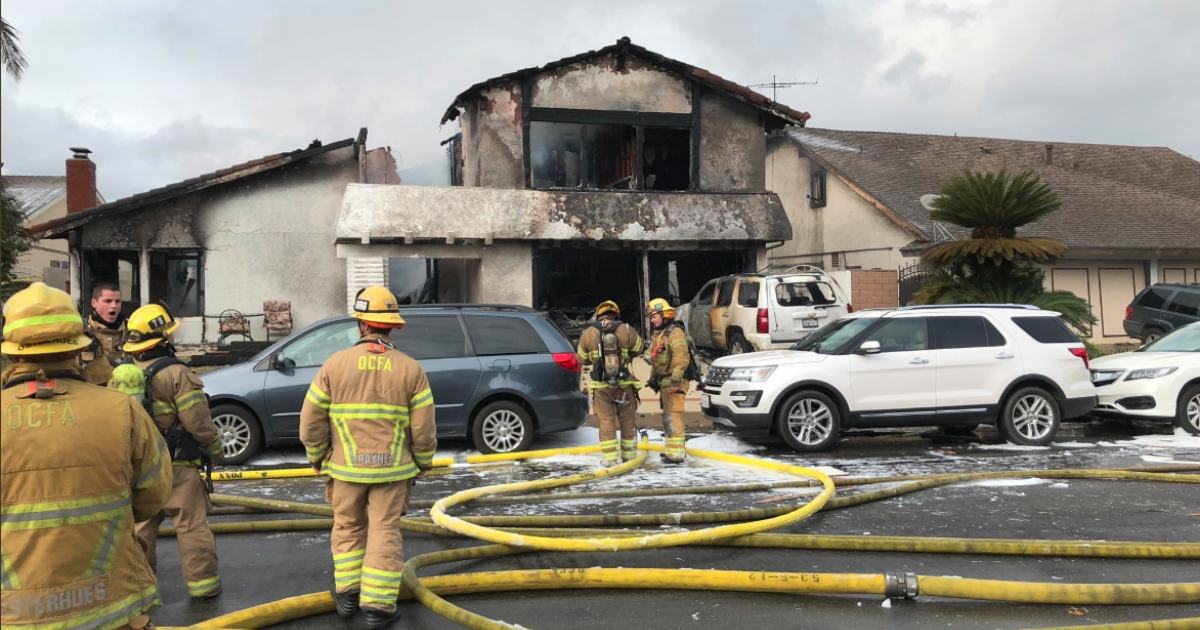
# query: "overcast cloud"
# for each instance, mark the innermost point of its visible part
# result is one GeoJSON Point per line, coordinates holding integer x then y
{"type": "Point", "coordinates": [162, 91]}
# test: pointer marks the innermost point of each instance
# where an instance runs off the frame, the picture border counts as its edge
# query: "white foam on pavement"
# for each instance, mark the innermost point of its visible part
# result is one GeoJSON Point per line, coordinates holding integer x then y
{"type": "Point", "coordinates": [1005, 483]}
{"type": "Point", "coordinates": [723, 443]}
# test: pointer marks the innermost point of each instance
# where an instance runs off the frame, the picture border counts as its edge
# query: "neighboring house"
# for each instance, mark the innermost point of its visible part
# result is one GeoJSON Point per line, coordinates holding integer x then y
{"type": "Point", "coordinates": [231, 239]}
{"type": "Point", "coordinates": [42, 198]}
{"type": "Point", "coordinates": [1130, 215]}
{"type": "Point", "coordinates": [617, 174]}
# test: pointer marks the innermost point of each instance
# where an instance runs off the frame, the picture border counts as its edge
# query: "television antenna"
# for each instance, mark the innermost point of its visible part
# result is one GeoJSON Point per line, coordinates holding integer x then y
{"type": "Point", "coordinates": [775, 84]}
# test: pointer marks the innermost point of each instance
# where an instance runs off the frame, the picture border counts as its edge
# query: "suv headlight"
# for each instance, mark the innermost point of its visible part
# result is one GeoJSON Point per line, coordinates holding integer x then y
{"type": "Point", "coordinates": [1138, 375]}
{"type": "Point", "coordinates": [751, 374]}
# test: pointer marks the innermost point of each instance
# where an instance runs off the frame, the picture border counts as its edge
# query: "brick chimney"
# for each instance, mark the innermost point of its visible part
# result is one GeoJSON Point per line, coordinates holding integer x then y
{"type": "Point", "coordinates": [81, 181]}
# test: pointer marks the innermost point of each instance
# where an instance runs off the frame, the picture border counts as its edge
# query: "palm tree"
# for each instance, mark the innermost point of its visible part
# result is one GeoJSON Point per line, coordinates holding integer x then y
{"type": "Point", "coordinates": [10, 52]}
{"type": "Point", "coordinates": [995, 265]}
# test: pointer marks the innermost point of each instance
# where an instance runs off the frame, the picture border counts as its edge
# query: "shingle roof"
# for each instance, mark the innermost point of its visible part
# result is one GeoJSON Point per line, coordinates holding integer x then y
{"type": "Point", "coordinates": [34, 192]}
{"type": "Point", "coordinates": [58, 227]}
{"type": "Point", "coordinates": [779, 111]}
{"type": "Point", "coordinates": [1116, 197]}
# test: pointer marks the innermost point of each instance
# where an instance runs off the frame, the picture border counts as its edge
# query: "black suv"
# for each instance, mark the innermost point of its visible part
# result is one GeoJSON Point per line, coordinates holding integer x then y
{"type": "Point", "coordinates": [1161, 308]}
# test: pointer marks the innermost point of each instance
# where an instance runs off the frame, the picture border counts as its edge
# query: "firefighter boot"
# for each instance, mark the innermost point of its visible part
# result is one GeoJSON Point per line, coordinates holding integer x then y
{"type": "Point", "coordinates": [347, 603]}
{"type": "Point", "coordinates": [380, 619]}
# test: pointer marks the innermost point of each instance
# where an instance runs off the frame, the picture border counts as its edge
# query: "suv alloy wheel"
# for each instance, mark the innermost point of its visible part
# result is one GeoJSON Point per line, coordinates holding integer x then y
{"type": "Point", "coordinates": [1030, 417]}
{"type": "Point", "coordinates": [809, 421]}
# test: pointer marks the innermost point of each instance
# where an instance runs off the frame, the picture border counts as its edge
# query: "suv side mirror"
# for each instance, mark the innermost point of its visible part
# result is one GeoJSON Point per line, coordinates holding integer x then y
{"type": "Point", "coordinates": [869, 347]}
{"type": "Point", "coordinates": [282, 363]}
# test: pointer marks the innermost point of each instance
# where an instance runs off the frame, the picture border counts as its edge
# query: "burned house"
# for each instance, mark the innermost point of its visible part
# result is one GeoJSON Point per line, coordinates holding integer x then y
{"type": "Point", "coordinates": [615, 174]}
{"type": "Point", "coordinates": [226, 241]}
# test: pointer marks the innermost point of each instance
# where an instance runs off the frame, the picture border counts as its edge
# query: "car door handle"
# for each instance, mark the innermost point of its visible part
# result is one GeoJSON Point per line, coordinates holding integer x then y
{"type": "Point", "coordinates": [919, 361]}
{"type": "Point", "coordinates": [1004, 355]}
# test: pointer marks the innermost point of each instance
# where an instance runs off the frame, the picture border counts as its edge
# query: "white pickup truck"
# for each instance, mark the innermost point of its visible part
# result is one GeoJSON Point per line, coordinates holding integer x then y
{"type": "Point", "coordinates": [755, 312]}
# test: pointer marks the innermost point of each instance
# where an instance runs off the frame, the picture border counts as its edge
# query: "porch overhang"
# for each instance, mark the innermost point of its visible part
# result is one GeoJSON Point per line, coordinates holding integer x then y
{"type": "Point", "coordinates": [406, 214]}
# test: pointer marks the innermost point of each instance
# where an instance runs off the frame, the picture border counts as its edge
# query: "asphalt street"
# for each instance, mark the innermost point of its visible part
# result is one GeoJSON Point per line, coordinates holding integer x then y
{"type": "Point", "coordinates": [259, 568]}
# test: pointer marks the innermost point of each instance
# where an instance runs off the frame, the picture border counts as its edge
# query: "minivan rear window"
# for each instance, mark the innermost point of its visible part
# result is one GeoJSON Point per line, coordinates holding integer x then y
{"type": "Point", "coordinates": [804, 294]}
{"type": "Point", "coordinates": [499, 334]}
{"type": "Point", "coordinates": [1046, 329]}
{"type": "Point", "coordinates": [1154, 298]}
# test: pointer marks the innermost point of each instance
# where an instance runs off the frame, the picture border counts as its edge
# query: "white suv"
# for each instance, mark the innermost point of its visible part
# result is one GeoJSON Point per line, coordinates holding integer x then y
{"type": "Point", "coordinates": [1017, 367]}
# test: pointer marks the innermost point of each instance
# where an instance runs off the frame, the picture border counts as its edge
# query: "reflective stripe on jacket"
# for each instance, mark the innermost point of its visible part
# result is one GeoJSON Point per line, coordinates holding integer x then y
{"type": "Point", "coordinates": [176, 393]}
{"type": "Point", "coordinates": [77, 470]}
{"type": "Point", "coordinates": [376, 402]}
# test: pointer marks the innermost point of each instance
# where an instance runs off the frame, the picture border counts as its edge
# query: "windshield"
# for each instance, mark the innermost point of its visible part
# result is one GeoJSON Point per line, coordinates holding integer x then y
{"type": "Point", "coordinates": [1179, 340]}
{"type": "Point", "coordinates": [834, 335]}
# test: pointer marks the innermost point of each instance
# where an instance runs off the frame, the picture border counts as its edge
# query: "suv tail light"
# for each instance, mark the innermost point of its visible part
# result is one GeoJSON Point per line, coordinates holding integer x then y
{"type": "Point", "coordinates": [1082, 354]}
{"type": "Point", "coordinates": [568, 361]}
{"type": "Point", "coordinates": [1128, 312]}
{"type": "Point", "coordinates": [764, 321]}
{"type": "Point", "coordinates": [849, 308]}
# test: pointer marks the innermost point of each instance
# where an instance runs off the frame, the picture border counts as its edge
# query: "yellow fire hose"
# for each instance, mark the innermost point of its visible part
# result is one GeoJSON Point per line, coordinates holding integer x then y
{"type": "Point", "coordinates": [526, 534]}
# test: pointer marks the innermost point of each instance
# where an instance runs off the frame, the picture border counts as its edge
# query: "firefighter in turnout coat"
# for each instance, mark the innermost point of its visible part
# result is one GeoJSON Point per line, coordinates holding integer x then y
{"type": "Point", "coordinates": [79, 464]}
{"type": "Point", "coordinates": [669, 358]}
{"type": "Point", "coordinates": [180, 409]}
{"type": "Point", "coordinates": [608, 345]}
{"type": "Point", "coordinates": [376, 404]}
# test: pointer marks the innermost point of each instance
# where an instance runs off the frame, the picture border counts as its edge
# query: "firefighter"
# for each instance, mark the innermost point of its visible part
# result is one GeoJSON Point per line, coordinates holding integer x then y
{"type": "Point", "coordinates": [608, 345]}
{"type": "Point", "coordinates": [105, 324]}
{"type": "Point", "coordinates": [670, 359]}
{"type": "Point", "coordinates": [378, 403]}
{"type": "Point", "coordinates": [79, 465]}
{"type": "Point", "coordinates": [176, 400]}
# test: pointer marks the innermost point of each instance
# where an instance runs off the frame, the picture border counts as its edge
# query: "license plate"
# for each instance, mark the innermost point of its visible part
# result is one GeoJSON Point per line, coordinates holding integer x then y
{"type": "Point", "coordinates": [705, 401]}
{"type": "Point", "coordinates": [811, 323]}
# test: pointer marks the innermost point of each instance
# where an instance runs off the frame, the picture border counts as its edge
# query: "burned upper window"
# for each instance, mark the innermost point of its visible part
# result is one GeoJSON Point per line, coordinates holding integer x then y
{"type": "Point", "coordinates": [598, 156]}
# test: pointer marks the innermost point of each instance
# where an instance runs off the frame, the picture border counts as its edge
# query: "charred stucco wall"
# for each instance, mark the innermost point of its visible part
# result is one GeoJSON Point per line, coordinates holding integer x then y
{"type": "Point", "coordinates": [506, 273]}
{"type": "Point", "coordinates": [598, 84]}
{"type": "Point", "coordinates": [266, 237]}
{"type": "Point", "coordinates": [733, 145]}
{"type": "Point", "coordinates": [493, 147]}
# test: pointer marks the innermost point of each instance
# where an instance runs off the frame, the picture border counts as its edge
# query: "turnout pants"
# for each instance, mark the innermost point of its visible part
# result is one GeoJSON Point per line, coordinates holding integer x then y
{"type": "Point", "coordinates": [613, 414]}
{"type": "Point", "coordinates": [366, 543]}
{"type": "Point", "coordinates": [188, 508]}
{"type": "Point", "coordinates": [672, 419]}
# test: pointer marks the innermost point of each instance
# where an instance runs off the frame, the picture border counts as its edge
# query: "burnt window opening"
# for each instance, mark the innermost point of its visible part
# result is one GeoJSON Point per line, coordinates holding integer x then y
{"type": "Point", "coordinates": [666, 158]}
{"type": "Point", "coordinates": [177, 280]}
{"type": "Point", "coordinates": [595, 156]}
{"type": "Point", "coordinates": [413, 280]}
{"type": "Point", "coordinates": [816, 195]}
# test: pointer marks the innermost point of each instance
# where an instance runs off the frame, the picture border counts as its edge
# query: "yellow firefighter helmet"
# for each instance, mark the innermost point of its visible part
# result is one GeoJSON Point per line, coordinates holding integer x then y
{"type": "Point", "coordinates": [377, 305]}
{"type": "Point", "coordinates": [659, 305]}
{"type": "Point", "coordinates": [42, 320]}
{"type": "Point", "coordinates": [608, 307]}
{"type": "Point", "coordinates": [147, 327]}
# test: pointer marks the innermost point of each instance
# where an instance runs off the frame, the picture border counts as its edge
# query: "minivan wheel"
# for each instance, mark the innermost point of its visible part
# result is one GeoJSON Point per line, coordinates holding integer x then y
{"type": "Point", "coordinates": [502, 427]}
{"type": "Point", "coordinates": [809, 421]}
{"type": "Point", "coordinates": [1187, 413]}
{"type": "Point", "coordinates": [1030, 417]}
{"type": "Point", "coordinates": [241, 435]}
{"type": "Point", "coordinates": [738, 344]}
{"type": "Point", "coordinates": [1150, 335]}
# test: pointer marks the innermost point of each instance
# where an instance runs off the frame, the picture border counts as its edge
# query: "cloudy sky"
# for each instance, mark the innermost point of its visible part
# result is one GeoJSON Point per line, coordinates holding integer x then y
{"type": "Point", "coordinates": [164, 90]}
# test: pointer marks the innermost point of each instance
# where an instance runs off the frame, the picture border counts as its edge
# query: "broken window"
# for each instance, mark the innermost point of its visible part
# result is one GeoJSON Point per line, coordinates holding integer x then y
{"type": "Point", "coordinates": [176, 279]}
{"type": "Point", "coordinates": [666, 158]}
{"type": "Point", "coordinates": [816, 195]}
{"type": "Point", "coordinates": [606, 156]}
{"type": "Point", "coordinates": [413, 280]}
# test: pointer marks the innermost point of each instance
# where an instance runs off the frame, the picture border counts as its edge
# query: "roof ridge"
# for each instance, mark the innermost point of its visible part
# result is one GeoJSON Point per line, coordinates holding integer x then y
{"type": "Point", "coordinates": [958, 137]}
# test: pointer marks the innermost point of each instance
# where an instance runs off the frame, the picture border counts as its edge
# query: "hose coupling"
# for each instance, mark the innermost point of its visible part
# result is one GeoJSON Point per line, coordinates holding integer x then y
{"type": "Point", "coordinates": [901, 584]}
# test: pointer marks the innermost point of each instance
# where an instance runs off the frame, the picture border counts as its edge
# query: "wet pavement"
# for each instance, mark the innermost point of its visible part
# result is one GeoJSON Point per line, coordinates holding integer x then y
{"type": "Point", "coordinates": [258, 568]}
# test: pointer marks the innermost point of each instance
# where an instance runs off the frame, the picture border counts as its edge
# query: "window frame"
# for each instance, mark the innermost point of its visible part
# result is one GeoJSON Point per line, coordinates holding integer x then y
{"type": "Point", "coordinates": [758, 292]}
{"type": "Point", "coordinates": [866, 335]}
{"type": "Point", "coordinates": [1166, 301]}
{"type": "Point", "coordinates": [1171, 305]}
{"type": "Point", "coordinates": [711, 288]}
{"type": "Point", "coordinates": [466, 351]}
{"type": "Point", "coordinates": [818, 178]}
{"type": "Point", "coordinates": [477, 351]}
{"type": "Point", "coordinates": [352, 324]}
{"type": "Point", "coordinates": [732, 282]}
{"type": "Point", "coordinates": [987, 325]}
{"type": "Point", "coordinates": [175, 254]}
{"type": "Point", "coordinates": [637, 120]}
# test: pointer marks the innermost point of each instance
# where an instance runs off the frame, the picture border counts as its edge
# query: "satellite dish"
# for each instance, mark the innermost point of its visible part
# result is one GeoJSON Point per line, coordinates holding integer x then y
{"type": "Point", "coordinates": [927, 201]}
